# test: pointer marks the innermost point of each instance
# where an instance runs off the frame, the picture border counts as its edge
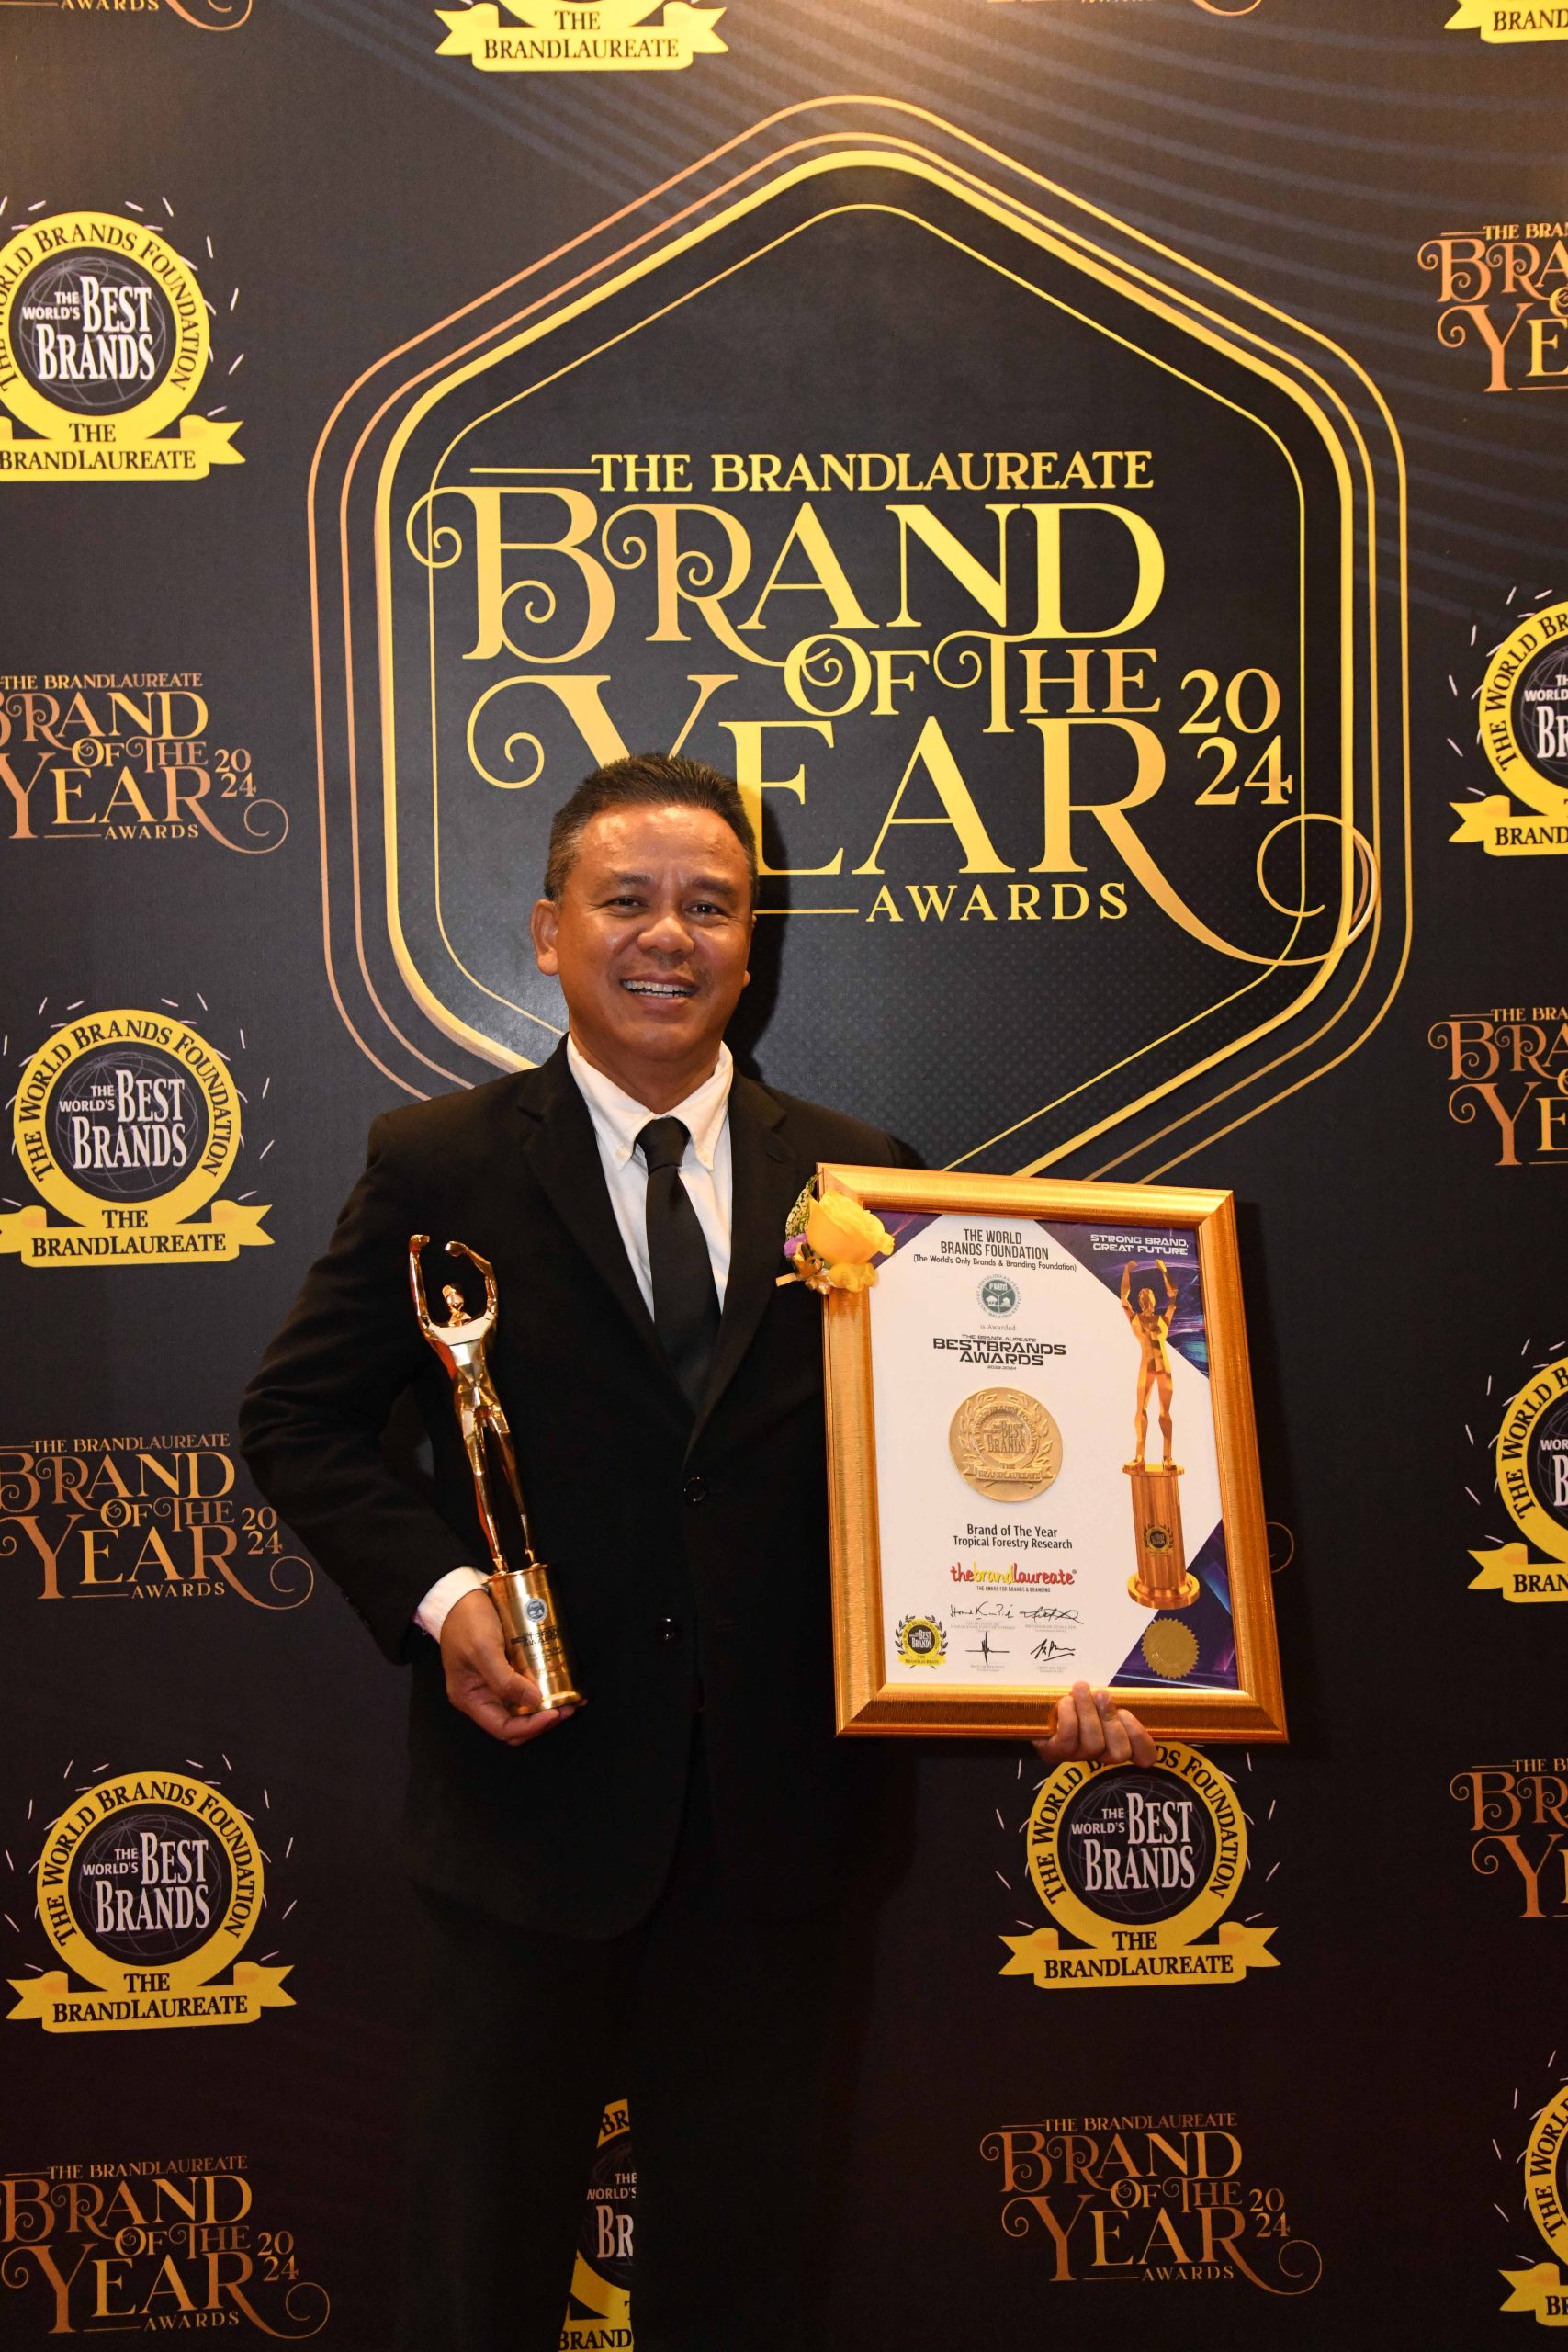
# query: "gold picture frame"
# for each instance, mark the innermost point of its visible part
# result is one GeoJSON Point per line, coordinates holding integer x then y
{"type": "Point", "coordinates": [1169, 1686]}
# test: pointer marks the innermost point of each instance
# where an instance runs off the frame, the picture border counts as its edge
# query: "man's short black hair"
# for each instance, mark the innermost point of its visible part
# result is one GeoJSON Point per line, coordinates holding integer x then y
{"type": "Point", "coordinates": [646, 780]}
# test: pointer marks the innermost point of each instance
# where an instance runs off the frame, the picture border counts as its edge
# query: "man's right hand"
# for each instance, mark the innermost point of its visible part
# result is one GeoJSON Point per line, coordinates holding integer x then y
{"type": "Point", "coordinates": [479, 1682]}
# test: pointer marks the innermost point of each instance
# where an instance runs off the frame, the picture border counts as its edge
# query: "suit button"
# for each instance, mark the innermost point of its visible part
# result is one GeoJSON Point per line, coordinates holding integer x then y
{"type": "Point", "coordinates": [695, 1490]}
{"type": "Point", "coordinates": [666, 1630]}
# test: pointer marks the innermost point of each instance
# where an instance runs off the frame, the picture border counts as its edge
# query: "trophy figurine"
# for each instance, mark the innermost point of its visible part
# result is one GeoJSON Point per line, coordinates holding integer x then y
{"type": "Point", "coordinates": [530, 1623]}
{"type": "Point", "coordinates": [1161, 1580]}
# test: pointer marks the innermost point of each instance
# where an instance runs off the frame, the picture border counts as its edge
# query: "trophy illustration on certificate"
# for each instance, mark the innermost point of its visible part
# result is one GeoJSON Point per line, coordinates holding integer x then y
{"type": "Point", "coordinates": [530, 1623]}
{"type": "Point", "coordinates": [1161, 1580]}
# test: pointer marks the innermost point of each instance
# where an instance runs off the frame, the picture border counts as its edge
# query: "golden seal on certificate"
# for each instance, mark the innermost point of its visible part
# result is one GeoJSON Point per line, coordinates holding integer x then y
{"type": "Point", "coordinates": [1005, 1444]}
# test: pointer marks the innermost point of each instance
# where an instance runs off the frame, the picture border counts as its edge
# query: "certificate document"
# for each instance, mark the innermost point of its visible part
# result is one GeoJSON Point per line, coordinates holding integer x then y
{"type": "Point", "coordinates": [1042, 1461]}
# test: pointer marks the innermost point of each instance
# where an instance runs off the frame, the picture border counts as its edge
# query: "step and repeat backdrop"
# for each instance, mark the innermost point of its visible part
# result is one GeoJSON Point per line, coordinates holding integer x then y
{"type": "Point", "coordinates": [1096, 476]}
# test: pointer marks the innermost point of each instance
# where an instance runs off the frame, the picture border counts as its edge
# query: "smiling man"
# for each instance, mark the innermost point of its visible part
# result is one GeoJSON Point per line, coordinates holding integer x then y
{"type": "Point", "coordinates": [646, 1896]}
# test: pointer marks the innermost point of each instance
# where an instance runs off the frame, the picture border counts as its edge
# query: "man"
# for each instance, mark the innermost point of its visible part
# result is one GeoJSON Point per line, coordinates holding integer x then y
{"type": "Point", "coordinates": [645, 1895]}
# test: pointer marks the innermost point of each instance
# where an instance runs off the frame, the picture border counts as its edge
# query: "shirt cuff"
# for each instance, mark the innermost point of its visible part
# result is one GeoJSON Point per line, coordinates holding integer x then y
{"type": "Point", "coordinates": [443, 1596]}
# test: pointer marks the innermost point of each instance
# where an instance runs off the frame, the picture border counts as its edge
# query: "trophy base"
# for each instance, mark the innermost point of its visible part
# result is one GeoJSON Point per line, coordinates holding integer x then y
{"type": "Point", "coordinates": [1150, 1597]}
{"type": "Point", "coordinates": [536, 1645]}
{"type": "Point", "coordinates": [1161, 1580]}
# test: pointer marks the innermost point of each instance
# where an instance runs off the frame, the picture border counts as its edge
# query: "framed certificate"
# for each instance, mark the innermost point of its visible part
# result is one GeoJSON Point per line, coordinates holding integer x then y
{"type": "Point", "coordinates": [1042, 1464]}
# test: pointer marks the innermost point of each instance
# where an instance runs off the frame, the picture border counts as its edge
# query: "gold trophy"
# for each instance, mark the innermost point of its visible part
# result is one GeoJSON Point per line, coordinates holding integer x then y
{"type": "Point", "coordinates": [1161, 1581]}
{"type": "Point", "coordinates": [524, 1602]}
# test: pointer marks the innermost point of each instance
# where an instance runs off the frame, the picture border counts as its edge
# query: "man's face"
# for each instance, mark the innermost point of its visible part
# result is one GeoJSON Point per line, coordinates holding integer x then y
{"type": "Point", "coordinates": [649, 940]}
{"type": "Point", "coordinates": [1146, 1302]}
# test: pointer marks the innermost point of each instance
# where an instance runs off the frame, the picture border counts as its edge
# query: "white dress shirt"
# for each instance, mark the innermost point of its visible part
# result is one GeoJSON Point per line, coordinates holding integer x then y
{"type": "Point", "coordinates": [618, 1120]}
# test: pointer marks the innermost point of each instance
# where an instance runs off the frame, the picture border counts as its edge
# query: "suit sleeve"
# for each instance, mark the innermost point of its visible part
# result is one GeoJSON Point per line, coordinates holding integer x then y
{"type": "Point", "coordinates": [311, 1420]}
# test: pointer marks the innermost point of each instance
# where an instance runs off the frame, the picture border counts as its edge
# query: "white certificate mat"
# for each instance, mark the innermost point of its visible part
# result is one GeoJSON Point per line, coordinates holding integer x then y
{"type": "Point", "coordinates": [1033, 1592]}
{"type": "Point", "coordinates": [1041, 1464]}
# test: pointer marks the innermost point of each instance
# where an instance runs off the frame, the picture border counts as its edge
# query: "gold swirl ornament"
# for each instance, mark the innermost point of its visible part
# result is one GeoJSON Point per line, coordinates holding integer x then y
{"type": "Point", "coordinates": [1005, 1444]}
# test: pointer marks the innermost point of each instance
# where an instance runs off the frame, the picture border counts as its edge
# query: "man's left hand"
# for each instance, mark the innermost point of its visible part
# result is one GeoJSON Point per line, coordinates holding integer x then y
{"type": "Point", "coordinates": [1091, 1731]}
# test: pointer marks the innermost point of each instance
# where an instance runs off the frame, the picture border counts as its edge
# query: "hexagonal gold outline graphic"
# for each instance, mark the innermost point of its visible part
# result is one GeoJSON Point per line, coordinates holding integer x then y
{"type": "Point", "coordinates": [1307, 384]}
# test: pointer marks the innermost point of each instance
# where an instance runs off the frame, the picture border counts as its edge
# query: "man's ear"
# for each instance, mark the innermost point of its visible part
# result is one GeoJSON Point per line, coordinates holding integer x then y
{"type": "Point", "coordinates": [543, 924]}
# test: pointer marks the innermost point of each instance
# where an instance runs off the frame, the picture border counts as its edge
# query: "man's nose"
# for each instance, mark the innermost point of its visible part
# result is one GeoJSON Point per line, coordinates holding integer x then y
{"type": "Point", "coordinates": [666, 933]}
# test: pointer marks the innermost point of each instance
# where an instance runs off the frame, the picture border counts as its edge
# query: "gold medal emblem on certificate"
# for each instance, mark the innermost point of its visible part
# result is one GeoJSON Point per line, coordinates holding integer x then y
{"type": "Point", "coordinates": [1006, 1444]}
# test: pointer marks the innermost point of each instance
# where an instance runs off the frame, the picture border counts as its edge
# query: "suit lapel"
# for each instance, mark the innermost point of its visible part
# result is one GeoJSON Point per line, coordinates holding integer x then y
{"type": "Point", "coordinates": [563, 1153]}
{"type": "Point", "coordinates": [767, 1179]}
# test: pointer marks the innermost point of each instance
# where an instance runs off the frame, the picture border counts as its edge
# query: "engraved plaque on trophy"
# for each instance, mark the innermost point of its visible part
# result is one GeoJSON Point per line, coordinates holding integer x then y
{"type": "Point", "coordinates": [530, 1621]}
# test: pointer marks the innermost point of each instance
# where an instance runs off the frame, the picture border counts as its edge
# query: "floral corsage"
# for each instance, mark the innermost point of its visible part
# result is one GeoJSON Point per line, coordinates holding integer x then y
{"type": "Point", "coordinates": [831, 1243]}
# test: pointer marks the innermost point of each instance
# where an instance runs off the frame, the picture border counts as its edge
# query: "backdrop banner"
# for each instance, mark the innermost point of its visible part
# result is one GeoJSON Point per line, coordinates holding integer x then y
{"type": "Point", "coordinates": [1085, 472]}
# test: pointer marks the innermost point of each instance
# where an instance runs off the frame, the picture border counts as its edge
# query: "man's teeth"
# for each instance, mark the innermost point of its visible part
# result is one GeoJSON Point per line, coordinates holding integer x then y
{"type": "Point", "coordinates": [657, 987]}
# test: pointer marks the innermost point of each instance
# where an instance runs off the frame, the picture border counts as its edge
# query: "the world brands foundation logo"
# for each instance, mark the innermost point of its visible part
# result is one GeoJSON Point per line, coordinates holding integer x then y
{"type": "Point", "coordinates": [153, 2244]}
{"type": "Point", "coordinates": [149, 1888]}
{"type": "Point", "coordinates": [975, 694]}
{"type": "Point", "coordinates": [126, 1124]}
{"type": "Point", "coordinates": [164, 1517]}
{"type": "Point", "coordinates": [1524, 733]}
{"type": "Point", "coordinates": [598, 2313]}
{"type": "Point", "coordinates": [104, 342]}
{"type": "Point", "coordinates": [594, 37]}
{"type": "Point", "coordinates": [1136, 1866]}
{"type": "Point", "coordinates": [1527, 1459]}
{"type": "Point", "coordinates": [1538, 2288]}
{"type": "Point", "coordinates": [1506, 1074]}
{"type": "Point", "coordinates": [1150, 2199]}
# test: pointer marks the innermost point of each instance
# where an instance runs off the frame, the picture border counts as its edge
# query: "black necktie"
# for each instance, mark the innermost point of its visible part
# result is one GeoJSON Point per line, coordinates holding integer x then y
{"type": "Point", "coordinates": [685, 1304]}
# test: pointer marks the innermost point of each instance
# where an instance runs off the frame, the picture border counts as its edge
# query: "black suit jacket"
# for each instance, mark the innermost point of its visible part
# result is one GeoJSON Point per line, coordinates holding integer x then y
{"type": "Point", "coordinates": [679, 1547]}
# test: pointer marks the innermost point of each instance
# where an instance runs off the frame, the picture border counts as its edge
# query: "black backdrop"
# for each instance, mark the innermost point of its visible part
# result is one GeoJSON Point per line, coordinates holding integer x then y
{"type": "Point", "coordinates": [341, 192]}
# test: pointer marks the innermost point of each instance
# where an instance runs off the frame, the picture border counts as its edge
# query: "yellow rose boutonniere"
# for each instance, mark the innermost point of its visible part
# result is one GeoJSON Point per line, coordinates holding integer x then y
{"type": "Point", "coordinates": [832, 1242]}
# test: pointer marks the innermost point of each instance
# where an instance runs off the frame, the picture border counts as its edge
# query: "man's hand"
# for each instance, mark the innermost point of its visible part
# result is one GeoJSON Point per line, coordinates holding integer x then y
{"type": "Point", "coordinates": [1090, 1728]}
{"type": "Point", "coordinates": [479, 1682]}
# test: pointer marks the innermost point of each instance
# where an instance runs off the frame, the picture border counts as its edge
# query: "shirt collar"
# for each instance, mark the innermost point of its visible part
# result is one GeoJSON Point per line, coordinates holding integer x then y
{"type": "Point", "coordinates": [618, 1118]}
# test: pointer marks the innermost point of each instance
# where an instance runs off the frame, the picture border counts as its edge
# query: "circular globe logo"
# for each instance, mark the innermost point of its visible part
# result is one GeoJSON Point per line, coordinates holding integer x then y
{"type": "Point", "coordinates": [93, 331]}
{"type": "Point", "coordinates": [997, 1295]}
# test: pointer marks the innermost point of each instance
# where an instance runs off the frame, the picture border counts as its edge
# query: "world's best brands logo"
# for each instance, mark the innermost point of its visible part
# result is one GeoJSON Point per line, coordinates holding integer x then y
{"type": "Point", "coordinates": [149, 1889]}
{"type": "Point", "coordinates": [104, 342]}
{"type": "Point", "coordinates": [1137, 1868]}
{"type": "Point", "coordinates": [1523, 734]}
{"type": "Point", "coordinates": [1525, 1459]}
{"type": "Point", "coordinates": [1537, 2178]}
{"type": "Point", "coordinates": [126, 1124]}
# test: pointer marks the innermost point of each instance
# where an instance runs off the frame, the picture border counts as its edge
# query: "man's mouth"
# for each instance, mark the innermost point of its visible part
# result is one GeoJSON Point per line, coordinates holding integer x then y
{"type": "Point", "coordinates": [675, 989]}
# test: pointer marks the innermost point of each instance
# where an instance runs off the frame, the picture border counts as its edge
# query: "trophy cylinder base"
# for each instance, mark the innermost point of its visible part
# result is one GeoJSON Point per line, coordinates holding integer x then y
{"type": "Point", "coordinates": [1161, 1581]}
{"type": "Point", "coordinates": [535, 1644]}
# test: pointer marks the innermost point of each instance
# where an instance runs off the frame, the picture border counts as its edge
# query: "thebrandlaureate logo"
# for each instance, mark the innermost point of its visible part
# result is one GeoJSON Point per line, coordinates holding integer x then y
{"type": "Point", "coordinates": [1530, 1461]}
{"type": "Point", "coordinates": [104, 342]}
{"type": "Point", "coordinates": [127, 1122]}
{"type": "Point", "coordinates": [611, 35]}
{"type": "Point", "coordinates": [1136, 1866]}
{"type": "Point", "coordinates": [149, 1887]}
